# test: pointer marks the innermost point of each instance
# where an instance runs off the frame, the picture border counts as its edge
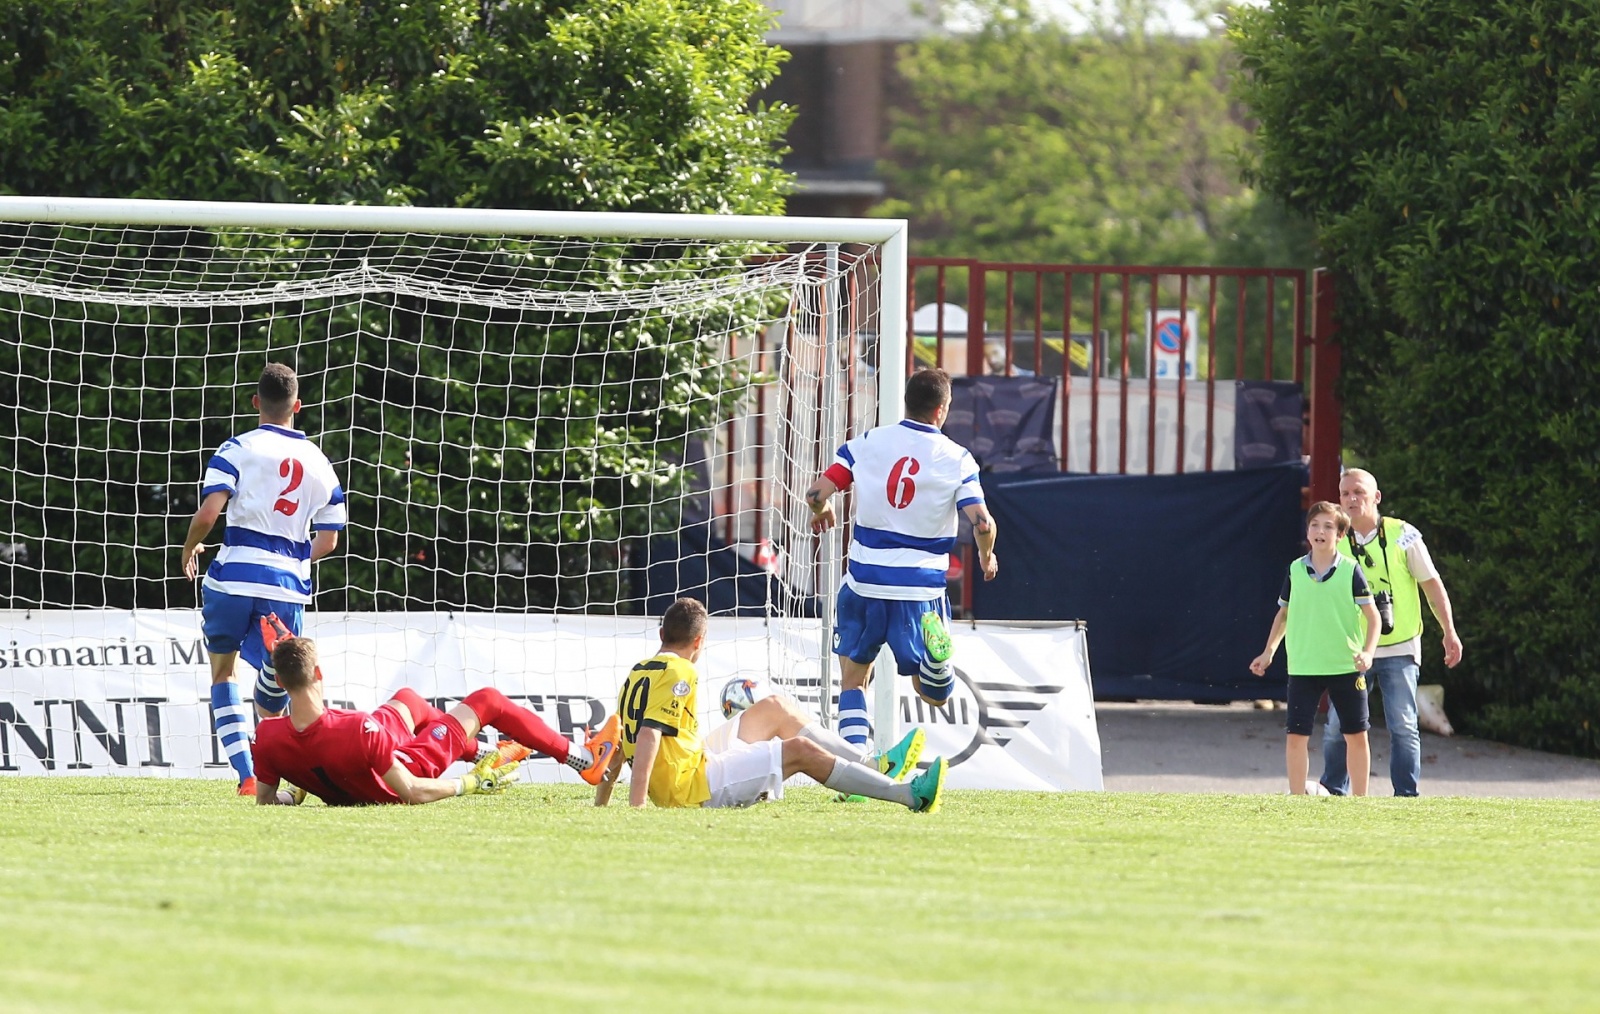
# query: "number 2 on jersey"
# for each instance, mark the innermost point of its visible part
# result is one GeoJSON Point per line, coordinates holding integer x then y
{"type": "Point", "coordinates": [295, 472]}
{"type": "Point", "coordinates": [901, 489]}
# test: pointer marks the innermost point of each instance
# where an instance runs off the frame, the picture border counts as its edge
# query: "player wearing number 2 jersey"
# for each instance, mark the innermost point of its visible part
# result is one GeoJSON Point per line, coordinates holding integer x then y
{"type": "Point", "coordinates": [910, 482]}
{"type": "Point", "coordinates": [285, 510]}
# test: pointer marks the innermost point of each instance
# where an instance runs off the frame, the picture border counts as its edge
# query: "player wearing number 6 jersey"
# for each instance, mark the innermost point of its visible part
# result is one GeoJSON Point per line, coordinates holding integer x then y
{"type": "Point", "coordinates": [910, 482]}
{"type": "Point", "coordinates": [285, 510]}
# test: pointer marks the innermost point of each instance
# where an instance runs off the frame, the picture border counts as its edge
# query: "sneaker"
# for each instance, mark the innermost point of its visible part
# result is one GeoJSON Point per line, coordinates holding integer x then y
{"type": "Point", "coordinates": [297, 795]}
{"type": "Point", "coordinates": [935, 637]}
{"type": "Point", "coordinates": [901, 759]}
{"type": "Point", "coordinates": [602, 745]}
{"type": "Point", "coordinates": [248, 787]}
{"type": "Point", "coordinates": [273, 631]}
{"type": "Point", "coordinates": [848, 797]}
{"type": "Point", "coordinates": [511, 752]}
{"type": "Point", "coordinates": [927, 789]}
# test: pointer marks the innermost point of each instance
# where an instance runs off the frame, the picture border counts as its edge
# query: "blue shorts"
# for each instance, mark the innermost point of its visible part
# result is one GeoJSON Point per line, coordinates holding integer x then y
{"type": "Point", "coordinates": [861, 626]}
{"type": "Point", "coordinates": [233, 623]}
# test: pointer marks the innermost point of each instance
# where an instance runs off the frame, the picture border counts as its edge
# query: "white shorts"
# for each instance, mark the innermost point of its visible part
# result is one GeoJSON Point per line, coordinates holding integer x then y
{"type": "Point", "coordinates": [740, 773]}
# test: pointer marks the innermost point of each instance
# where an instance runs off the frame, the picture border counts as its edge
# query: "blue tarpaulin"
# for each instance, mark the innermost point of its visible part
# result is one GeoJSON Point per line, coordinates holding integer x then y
{"type": "Point", "coordinates": [1177, 575]}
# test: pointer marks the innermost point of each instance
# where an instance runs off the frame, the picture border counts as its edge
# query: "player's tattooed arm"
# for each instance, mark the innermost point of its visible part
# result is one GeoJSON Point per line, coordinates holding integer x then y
{"type": "Point", "coordinates": [819, 499]}
{"type": "Point", "coordinates": [817, 496]}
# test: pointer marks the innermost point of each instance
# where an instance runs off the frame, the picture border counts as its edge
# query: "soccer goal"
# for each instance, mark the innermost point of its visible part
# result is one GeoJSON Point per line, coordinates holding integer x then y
{"type": "Point", "coordinates": [547, 425]}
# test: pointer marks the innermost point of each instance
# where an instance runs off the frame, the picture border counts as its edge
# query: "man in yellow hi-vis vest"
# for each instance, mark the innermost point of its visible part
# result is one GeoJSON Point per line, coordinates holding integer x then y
{"type": "Point", "coordinates": [1396, 561]}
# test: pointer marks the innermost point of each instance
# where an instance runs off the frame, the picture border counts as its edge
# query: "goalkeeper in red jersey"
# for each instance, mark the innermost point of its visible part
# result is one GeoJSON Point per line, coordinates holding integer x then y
{"type": "Point", "coordinates": [396, 753]}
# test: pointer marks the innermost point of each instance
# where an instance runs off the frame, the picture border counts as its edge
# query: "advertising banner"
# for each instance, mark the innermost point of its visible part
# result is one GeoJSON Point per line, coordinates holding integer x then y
{"type": "Point", "coordinates": [127, 693]}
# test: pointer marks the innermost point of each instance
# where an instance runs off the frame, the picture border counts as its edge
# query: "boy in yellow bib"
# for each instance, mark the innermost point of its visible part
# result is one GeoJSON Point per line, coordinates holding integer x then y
{"type": "Point", "coordinates": [746, 759]}
{"type": "Point", "coordinates": [1327, 614]}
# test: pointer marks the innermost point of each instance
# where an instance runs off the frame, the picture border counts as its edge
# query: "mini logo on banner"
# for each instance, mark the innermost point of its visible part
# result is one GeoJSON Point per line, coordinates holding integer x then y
{"type": "Point", "coordinates": [994, 709]}
{"type": "Point", "coordinates": [680, 688]}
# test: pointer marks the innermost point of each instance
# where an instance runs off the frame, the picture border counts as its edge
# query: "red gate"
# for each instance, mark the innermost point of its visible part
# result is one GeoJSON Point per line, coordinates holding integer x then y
{"type": "Point", "coordinates": [1098, 329]}
{"type": "Point", "coordinates": [1129, 340]}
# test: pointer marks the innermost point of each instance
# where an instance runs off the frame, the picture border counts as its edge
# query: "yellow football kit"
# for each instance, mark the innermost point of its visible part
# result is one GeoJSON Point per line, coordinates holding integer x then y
{"type": "Point", "coordinates": [660, 693]}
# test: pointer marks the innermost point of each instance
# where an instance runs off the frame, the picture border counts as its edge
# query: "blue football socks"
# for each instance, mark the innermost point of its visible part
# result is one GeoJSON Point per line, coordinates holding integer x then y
{"type": "Point", "coordinates": [854, 724]}
{"type": "Point", "coordinates": [232, 719]}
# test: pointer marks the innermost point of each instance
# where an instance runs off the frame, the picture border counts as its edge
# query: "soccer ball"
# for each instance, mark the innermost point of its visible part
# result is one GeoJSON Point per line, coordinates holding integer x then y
{"type": "Point", "coordinates": [738, 694]}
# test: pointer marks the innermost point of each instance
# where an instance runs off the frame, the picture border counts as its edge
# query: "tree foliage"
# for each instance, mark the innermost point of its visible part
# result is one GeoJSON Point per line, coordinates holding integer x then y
{"type": "Point", "coordinates": [590, 104]}
{"type": "Point", "coordinates": [641, 105]}
{"type": "Point", "coordinates": [1106, 141]}
{"type": "Point", "coordinates": [1446, 151]}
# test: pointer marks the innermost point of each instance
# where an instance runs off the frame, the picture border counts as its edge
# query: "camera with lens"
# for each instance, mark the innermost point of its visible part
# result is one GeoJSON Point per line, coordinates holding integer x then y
{"type": "Point", "coordinates": [1384, 600]}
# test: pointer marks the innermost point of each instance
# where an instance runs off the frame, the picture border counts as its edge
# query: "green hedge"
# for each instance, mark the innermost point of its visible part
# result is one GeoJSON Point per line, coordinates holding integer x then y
{"type": "Point", "coordinates": [1447, 152]}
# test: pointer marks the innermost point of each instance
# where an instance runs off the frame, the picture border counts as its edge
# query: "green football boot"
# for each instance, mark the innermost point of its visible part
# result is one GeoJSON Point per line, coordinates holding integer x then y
{"type": "Point", "coordinates": [901, 759]}
{"type": "Point", "coordinates": [936, 638]}
{"type": "Point", "coordinates": [927, 789]}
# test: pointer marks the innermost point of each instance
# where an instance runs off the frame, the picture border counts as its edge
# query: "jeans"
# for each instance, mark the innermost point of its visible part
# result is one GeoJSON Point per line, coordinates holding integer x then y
{"type": "Point", "coordinates": [1396, 679]}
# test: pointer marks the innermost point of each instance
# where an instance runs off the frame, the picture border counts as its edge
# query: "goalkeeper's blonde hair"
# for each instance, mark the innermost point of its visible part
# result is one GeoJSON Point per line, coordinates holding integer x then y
{"type": "Point", "coordinates": [296, 662]}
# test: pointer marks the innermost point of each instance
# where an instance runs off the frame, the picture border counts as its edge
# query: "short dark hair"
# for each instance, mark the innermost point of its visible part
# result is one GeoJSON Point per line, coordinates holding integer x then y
{"type": "Point", "coordinates": [295, 660]}
{"type": "Point", "coordinates": [278, 389]}
{"type": "Point", "coordinates": [1333, 510]}
{"type": "Point", "coordinates": [926, 392]}
{"type": "Point", "coordinates": [683, 621]}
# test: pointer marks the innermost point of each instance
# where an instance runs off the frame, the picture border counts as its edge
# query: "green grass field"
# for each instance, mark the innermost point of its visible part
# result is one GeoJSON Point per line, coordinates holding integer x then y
{"type": "Point", "coordinates": [162, 896]}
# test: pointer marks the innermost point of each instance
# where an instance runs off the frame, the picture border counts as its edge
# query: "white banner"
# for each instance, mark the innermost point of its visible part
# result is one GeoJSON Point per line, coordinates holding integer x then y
{"type": "Point", "coordinates": [128, 693]}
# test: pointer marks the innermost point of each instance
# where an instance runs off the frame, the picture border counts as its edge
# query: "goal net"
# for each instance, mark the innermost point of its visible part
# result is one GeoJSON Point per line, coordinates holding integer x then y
{"type": "Point", "coordinates": [547, 426]}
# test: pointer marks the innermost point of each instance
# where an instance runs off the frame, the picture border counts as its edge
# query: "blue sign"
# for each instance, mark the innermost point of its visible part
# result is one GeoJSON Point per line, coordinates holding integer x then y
{"type": "Point", "coordinates": [1169, 334]}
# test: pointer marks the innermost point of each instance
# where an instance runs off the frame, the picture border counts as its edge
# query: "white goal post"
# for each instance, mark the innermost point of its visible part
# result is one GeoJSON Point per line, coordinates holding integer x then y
{"type": "Point", "coordinates": [526, 408]}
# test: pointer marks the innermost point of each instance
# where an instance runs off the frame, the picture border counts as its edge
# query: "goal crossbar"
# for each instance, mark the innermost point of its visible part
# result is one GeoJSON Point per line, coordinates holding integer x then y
{"type": "Point", "coordinates": [890, 233]}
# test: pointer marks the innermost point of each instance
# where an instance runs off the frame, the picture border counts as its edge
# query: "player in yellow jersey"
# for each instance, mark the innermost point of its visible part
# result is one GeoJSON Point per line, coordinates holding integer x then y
{"type": "Point", "coordinates": [745, 759]}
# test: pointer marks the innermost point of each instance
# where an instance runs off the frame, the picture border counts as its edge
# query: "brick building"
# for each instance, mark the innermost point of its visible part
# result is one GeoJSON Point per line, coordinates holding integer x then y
{"type": "Point", "coordinates": [841, 79]}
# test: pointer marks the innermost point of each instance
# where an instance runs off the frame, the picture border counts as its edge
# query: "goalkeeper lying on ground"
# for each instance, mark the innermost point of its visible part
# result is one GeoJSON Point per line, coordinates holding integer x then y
{"type": "Point", "coordinates": [396, 753]}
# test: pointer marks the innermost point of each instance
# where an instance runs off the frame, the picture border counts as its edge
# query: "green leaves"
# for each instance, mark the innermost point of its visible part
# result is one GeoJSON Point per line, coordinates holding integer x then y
{"type": "Point", "coordinates": [1445, 151]}
{"type": "Point", "coordinates": [600, 105]}
{"type": "Point", "coordinates": [1025, 142]}
{"type": "Point", "coordinates": [490, 457]}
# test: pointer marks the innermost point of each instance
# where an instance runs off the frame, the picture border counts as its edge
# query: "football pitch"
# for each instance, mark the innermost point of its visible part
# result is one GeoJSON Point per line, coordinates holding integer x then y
{"type": "Point", "coordinates": [150, 895]}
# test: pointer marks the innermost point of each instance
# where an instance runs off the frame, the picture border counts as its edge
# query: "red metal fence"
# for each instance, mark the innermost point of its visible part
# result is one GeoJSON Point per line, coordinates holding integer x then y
{"type": "Point", "coordinates": [1092, 326]}
{"type": "Point", "coordinates": [1106, 324]}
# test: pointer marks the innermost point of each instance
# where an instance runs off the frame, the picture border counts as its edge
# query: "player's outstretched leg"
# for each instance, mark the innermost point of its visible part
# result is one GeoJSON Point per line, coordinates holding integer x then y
{"type": "Point", "coordinates": [921, 794]}
{"type": "Point", "coordinates": [896, 763]}
{"type": "Point", "coordinates": [491, 707]}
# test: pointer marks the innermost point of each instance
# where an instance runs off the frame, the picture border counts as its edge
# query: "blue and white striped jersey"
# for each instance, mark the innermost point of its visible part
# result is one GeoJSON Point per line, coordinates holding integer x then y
{"type": "Point", "coordinates": [281, 489]}
{"type": "Point", "coordinates": [910, 480]}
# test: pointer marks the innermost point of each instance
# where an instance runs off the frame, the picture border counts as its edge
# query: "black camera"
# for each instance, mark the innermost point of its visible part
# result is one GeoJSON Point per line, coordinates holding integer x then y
{"type": "Point", "coordinates": [1384, 600]}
